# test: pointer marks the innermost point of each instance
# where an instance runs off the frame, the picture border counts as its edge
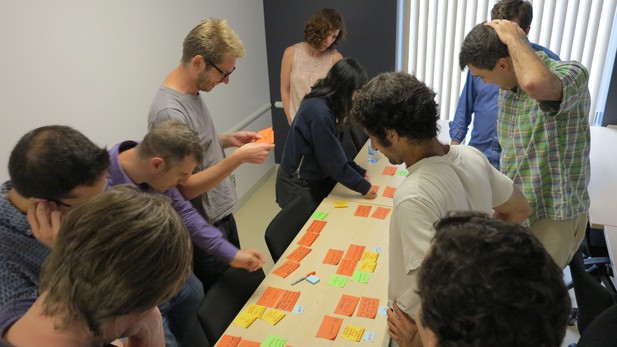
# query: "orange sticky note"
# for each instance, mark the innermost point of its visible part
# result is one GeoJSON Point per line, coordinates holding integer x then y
{"type": "Point", "coordinates": [287, 268]}
{"type": "Point", "coordinates": [307, 239]}
{"type": "Point", "coordinates": [333, 256]}
{"type": "Point", "coordinates": [287, 300]}
{"type": "Point", "coordinates": [354, 252]}
{"type": "Point", "coordinates": [381, 212]}
{"type": "Point", "coordinates": [362, 211]}
{"type": "Point", "coordinates": [368, 307]}
{"type": "Point", "coordinates": [347, 267]}
{"type": "Point", "coordinates": [347, 305]}
{"type": "Point", "coordinates": [299, 253]}
{"type": "Point", "coordinates": [389, 192]}
{"type": "Point", "coordinates": [375, 188]}
{"type": "Point", "coordinates": [316, 226]}
{"type": "Point", "coordinates": [267, 136]}
{"type": "Point", "coordinates": [248, 343]}
{"type": "Point", "coordinates": [270, 296]}
{"type": "Point", "coordinates": [329, 327]}
{"type": "Point", "coordinates": [389, 170]}
{"type": "Point", "coordinates": [229, 341]}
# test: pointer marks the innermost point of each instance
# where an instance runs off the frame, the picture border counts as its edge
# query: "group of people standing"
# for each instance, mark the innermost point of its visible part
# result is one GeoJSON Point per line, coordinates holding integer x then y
{"type": "Point", "coordinates": [82, 262]}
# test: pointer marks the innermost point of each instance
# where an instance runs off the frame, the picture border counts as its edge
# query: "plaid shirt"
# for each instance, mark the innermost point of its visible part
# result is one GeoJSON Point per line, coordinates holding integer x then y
{"type": "Point", "coordinates": [546, 144]}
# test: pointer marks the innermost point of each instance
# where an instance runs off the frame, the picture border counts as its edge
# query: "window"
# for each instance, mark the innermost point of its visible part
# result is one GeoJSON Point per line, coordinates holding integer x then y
{"type": "Point", "coordinates": [433, 30]}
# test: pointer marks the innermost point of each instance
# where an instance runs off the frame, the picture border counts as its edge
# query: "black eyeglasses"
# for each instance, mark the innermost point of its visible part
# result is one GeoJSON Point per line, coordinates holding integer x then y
{"type": "Point", "coordinates": [225, 74]}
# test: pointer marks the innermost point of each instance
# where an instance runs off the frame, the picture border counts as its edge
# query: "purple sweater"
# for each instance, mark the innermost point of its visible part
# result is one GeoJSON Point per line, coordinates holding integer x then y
{"type": "Point", "coordinates": [204, 235]}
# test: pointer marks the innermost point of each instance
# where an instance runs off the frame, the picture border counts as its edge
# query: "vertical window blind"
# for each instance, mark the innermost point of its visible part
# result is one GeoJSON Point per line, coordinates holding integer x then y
{"type": "Point", "coordinates": [433, 31]}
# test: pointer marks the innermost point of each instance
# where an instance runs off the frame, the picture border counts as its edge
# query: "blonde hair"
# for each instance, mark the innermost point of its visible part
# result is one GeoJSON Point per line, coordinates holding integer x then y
{"type": "Point", "coordinates": [213, 39]}
{"type": "Point", "coordinates": [122, 252]}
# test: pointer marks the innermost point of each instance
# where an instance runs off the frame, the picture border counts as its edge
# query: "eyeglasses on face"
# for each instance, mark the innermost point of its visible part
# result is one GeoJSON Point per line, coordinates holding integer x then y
{"type": "Point", "coordinates": [223, 73]}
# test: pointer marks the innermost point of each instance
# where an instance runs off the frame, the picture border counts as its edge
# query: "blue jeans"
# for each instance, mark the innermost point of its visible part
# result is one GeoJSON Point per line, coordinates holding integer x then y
{"type": "Point", "coordinates": [180, 322]}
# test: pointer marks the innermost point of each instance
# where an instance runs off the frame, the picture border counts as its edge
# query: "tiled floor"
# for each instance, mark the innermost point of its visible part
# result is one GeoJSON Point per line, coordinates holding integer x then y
{"type": "Point", "coordinates": [254, 216]}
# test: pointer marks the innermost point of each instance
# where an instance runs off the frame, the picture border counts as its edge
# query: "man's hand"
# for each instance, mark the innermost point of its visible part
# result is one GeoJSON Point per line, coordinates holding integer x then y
{"type": "Point", "coordinates": [239, 138]}
{"type": "Point", "coordinates": [506, 30]}
{"type": "Point", "coordinates": [44, 219]}
{"type": "Point", "coordinates": [254, 153]}
{"type": "Point", "coordinates": [248, 259]}
{"type": "Point", "coordinates": [401, 327]}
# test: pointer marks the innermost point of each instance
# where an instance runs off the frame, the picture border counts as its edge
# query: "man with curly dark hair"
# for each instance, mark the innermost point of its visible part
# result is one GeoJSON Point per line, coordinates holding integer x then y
{"type": "Point", "coordinates": [399, 114]}
{"type": "Point", "coordinates": [486, 283]}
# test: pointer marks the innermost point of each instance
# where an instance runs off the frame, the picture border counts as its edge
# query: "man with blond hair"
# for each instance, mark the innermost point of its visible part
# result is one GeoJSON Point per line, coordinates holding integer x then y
{"type": "Point", "coordinates": [209, 57]}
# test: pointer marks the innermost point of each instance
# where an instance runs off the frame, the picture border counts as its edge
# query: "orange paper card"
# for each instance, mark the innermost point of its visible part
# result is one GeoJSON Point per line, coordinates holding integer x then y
{"type": "Point", "coordinates": [375, 188]}
{"type": "Point", "coordinates": [267, 136]}
{"type": "Point", "coordinates": [347, 305]}
{"type": "Point", "coordinates": [299, 253]}
{"type": "Point", "coordinates": [368, 307]}
{"type": "Point", "coordinates": [317, 226]}
{"type": "Point", "coordinates": [389, 192]}
{"type": "Point", "coordinates": [270, 296]}
{"type": "Point", "coordinates": [389, 170]}
{"type": "Point", "coordinates": [287, 268]}
{"type": "Point", "coordinates": [347, 267]}
{"type": "Point", "coordinates": [229, 341]}
{"type": "Point", "coordinates": [333, 256]}
{"type": "Point", "coordinates": [248, 343]}
{"type": "Point", "coordinates": [354, 252]}
{"type": "Point", "coordinates": [308, 239]}
{"type": "Point", "coordinates": [381, 212]}
{"type": "Point", "coordinates": [362, 211]}
{"type": "Point", "coordinates": [329, 327]}
{"type": "Point", "coordinates": [287, 301]}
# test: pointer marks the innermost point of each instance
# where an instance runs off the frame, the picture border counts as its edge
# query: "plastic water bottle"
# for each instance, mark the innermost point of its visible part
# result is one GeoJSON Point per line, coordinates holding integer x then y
{"type": "Point", "coordinates": [373, 155]}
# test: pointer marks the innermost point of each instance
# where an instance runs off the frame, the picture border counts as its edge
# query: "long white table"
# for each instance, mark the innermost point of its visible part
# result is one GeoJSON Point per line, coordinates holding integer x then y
{"type": "Point", "coordinates": [603, 187]}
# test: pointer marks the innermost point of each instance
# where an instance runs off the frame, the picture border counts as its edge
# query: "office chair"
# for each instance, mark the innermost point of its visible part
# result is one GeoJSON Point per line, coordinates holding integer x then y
{"type": "Point", "coordinates": [592, 295]}
{"type": "Point", "coordinates": [602, 332]}
{"type": "Point", "coordinates": [287, 223]}
{"type": "Point", "coordinates": [225, 299]}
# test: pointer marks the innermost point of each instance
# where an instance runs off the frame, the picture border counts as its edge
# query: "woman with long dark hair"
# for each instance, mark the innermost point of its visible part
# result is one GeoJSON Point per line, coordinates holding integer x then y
{"type": "Point", "coordinates": [314, 159]}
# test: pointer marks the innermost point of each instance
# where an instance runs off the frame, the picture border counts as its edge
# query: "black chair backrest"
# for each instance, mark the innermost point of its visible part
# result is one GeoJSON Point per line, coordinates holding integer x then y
{"type": "Point", "coordinates": [287, 223]}
{"type": "Point", "coordinates": [225, 299]}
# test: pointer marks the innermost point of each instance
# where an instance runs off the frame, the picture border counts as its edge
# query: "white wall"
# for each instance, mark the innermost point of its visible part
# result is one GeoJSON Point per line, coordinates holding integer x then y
{"type": "Point", "coordinates": [95, 65]}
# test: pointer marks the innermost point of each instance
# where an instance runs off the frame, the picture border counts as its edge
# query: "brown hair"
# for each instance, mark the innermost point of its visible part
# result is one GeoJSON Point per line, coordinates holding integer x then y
{"type": "Point", "coordinates": [321, 24]}
{"type": "Point", "coordinates": [119, 253]}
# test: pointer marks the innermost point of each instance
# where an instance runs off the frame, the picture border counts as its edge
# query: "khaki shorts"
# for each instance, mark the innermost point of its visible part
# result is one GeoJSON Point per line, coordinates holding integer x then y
{"type": "Point", "coordinates": [560, 238]}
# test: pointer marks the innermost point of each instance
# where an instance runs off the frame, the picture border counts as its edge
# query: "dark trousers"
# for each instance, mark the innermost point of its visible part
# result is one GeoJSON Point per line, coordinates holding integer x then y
{"type": "Point", "coordinates": [288, 187]}
{"type": "Point", "coordinates": [207, 267]}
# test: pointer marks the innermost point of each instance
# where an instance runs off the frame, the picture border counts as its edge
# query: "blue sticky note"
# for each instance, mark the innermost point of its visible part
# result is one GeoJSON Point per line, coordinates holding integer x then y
{"type": "Point", "coordinates": [382, 310]}
{"type": "Point", "coordinates": [313, 279]}
{"type": "Point", "coordinates": [377, 249]}
{"type": "Point", "coordinates": [368, 336]}
{"type": "Point", "coordinates": [298, 309]}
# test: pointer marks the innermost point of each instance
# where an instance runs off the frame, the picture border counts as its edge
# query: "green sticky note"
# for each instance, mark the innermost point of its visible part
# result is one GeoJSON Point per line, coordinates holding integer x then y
{"type": "Point", "coordinates": [319, 215]}
{"type": "Point", "coordinates": [337, 281]}
{"type": "Point", "coordinates": [402, 172]}
{"type": "Point", "coordinates": [274, 341]}
{"type": "Point", "coordinates": [360, 276]}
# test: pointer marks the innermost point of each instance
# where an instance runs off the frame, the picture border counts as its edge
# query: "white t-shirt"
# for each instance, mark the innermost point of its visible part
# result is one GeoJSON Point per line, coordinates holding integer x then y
{"type": "Point", "coordinates": [463, 179]}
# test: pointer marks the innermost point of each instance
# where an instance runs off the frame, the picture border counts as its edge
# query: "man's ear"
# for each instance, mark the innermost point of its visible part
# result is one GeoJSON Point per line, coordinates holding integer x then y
{"type": "Point", "coordinates": [157, 164]}
{"type": "Point", "coordinates": [392, 135]}
{"type": "Point", "coordinates": [198, 62]}
{"type": "Point", "coordinates": [504, 64]}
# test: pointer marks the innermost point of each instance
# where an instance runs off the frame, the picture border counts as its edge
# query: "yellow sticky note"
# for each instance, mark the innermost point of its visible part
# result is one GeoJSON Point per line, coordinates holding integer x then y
{"type": "Point", "coordinates": [340, 204]}
{"type": "Point", "coordinates": [367, 266]}
{"type": "Point", "coordinates": [273, 316]}
{"type": "Point", "coordinates": [352, 333]}
{"type": "Point", "coordinates": [257, 310]}
{"type": "Point", "coordinates": [245, 319]}
{"type": "Point", "coordinates": [371, 256]}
